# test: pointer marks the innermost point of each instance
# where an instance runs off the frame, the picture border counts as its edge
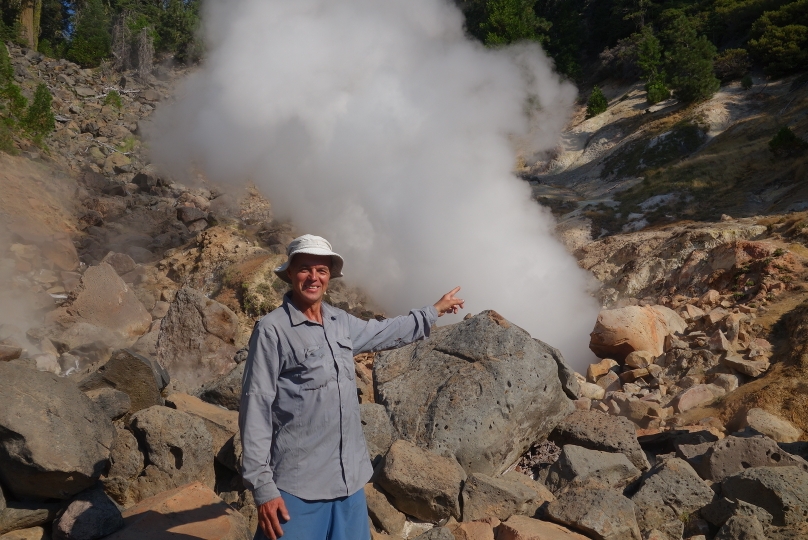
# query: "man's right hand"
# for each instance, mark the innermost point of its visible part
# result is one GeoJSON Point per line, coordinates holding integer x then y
{"type": "Point", "coordinates": [268, 514]}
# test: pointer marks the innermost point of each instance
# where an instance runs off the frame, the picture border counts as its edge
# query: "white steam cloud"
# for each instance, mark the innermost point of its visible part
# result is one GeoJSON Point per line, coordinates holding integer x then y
{"type": "Point", "coordinates": [380, 126]}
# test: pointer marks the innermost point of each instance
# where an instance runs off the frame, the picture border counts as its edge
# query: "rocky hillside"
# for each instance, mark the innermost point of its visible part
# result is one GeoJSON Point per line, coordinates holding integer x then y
{"type": "Point", "coordinates": [129, 298]}
{"type": "Point", "coordinates": [636, 164]}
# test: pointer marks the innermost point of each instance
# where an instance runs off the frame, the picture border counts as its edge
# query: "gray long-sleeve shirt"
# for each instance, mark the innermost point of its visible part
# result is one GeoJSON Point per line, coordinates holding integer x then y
{"type": "Point", "coordinates": [299, 413]}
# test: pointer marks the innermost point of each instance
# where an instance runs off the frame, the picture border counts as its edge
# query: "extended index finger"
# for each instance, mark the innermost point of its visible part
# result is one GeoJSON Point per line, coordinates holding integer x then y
{"type": "Point", "coordinates": [454, 291]}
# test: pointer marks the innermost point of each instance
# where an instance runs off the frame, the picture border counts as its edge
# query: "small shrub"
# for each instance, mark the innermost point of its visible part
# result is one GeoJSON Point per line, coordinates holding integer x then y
{"type": "Point", "coordinates": [113, 98]}
{"type": "Point", "coordinates": [746, 82]}
{"type": "Point", "coordinates": [731, 64]}
{"type": "Point", "coordinates": [779, 252]}
{"type": "Point", "coordinates": [38, 120]}
{"type": "Point", "coordinates": [787, 144]}
{"type": "Point", "coordinates": [597, 103]}
{"type": "Point", "coordinates": [16, 101]}
{"type": "Point", "coordinates": [657, 91]}
{"type": "Point", "coordinates": [6, 139]}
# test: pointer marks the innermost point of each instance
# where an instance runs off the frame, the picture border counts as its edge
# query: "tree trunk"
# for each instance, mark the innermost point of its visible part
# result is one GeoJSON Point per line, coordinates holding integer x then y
{"type": "Point", "coordinates": [30, 15]}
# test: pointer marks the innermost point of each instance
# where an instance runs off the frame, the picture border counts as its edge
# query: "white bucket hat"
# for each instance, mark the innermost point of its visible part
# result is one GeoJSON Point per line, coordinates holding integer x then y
{"type": "Point", "coordinates": [311, 245]}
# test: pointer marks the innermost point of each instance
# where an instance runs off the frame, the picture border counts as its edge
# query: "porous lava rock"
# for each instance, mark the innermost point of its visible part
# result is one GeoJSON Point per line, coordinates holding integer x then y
{"type": "Point", "coordinates": [781, 491]}
{"type": "Point", "coordinates": [598, 431]}
{"type": "Point", "coordinates": [604, 514]}
{"type": "Point", "coordinates": [670, 490]}
{"type": "Point", "coordinates": [178, 449]}
{"type": "Point", "coordinates": [482, 390]}
{"type": "Point", "coordinates": [420, 483]}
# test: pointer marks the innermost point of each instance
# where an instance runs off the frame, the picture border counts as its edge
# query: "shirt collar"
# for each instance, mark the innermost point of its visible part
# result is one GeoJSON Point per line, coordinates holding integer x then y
{"type": "Point", "coordinates": [296, 316]}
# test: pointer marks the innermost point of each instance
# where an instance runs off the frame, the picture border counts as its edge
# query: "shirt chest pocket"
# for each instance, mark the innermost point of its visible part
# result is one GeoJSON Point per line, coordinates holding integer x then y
{"type": "Point", "coordinates": [344, 355]}
{"type": "Point", "coordinates": [314, 369]}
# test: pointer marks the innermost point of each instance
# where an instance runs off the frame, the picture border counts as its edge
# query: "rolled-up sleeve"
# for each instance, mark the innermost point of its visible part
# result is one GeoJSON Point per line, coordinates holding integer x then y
{"type": "Point", "coordinates": [373, 335]}
{"type": "Point", "coordinates": [259, 388]}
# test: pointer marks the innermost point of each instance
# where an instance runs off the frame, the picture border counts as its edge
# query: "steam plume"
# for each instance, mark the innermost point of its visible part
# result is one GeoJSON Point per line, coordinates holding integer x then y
{"type": "Point", "coordinates": [380, 126]}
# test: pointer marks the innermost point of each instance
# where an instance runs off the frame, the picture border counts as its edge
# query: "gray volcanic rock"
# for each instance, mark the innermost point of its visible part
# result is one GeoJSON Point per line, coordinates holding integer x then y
{"type": "Point", "coordinates": [484, 496]}
{"type": "Point", "coordinates": [781, 491]}
{"type": "Point", "coordinates": [178, 447]}
{"type": "Point", "coordinates": [126, 464]}
{"type": "Point", "coordinates": [226, 390]}
{"type": "Point", "coordinates": [481, 389]}
{"type": "Point", "coordinates": [598, 431]}
{"type": "Point", "coordinates": [24, 515]}
{"type": "Point", "coordinates": [54, 441]}
{"type": "Point", "coordinates": [670, 490]}
{"type": "Point", "coordinates": [579, 467]}
{"type": "Point", "coordinates": [90, 516]}
{"type": "Point", "coordinates": [420, 483]}
{"type": "Point", "coordinates": [140, 377]}
{"type": "Point", "coordinates": [197, 337]}
{"type": "Point", "coordinates": [378, 429]}
{"type": "Point", "coordinates": [741, 528]}
{"type": "Point", "coordinates": [105, 301]}
{"type": "Point", "coordinates": [734, 454]}
{"type": "Point", "coordinates": [605, 514]}
{"type": "Point", "coordinates": [114, 403]}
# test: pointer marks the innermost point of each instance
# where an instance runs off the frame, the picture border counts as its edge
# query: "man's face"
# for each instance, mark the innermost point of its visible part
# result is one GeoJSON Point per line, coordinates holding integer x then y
{"type": "Point", "coordinates": [310, 275]}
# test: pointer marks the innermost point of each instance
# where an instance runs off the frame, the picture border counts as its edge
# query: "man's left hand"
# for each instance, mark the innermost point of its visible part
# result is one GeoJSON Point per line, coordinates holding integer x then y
{"type": "Point", "coordinates": [448, 303]}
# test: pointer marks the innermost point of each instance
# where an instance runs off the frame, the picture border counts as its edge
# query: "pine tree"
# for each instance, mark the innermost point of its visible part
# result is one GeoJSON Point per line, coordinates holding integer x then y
{"type": "Point", "coordinates": [688, 59]}
{"type": "Point", "coordinates": [597, 103]}
{"type": "Point", "coordinates": [92, 41]}
{"type": "Point", "coordinates": [512, 20]}
{"type": "Point", "coordinates": [38, 120]}
{"type": "Point", "coordinates": [649, 59]}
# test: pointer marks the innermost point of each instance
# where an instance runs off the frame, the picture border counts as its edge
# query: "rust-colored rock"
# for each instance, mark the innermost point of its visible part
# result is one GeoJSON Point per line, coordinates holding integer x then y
{"type": "Point", "coordinates": [190, 511]}
{"type": "Point", "coordinates": [525, 528]}
{"type": "Point", "coordinates": [619, 332]}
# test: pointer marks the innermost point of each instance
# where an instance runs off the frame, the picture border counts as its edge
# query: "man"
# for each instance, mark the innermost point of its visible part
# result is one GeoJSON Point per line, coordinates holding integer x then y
{"type": "Point", "coordinates": [304, 453]}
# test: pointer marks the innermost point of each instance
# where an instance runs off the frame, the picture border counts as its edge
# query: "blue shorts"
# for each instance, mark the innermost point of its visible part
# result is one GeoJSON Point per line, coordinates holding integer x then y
{"type": "Point", "coordinates": [345, 518]}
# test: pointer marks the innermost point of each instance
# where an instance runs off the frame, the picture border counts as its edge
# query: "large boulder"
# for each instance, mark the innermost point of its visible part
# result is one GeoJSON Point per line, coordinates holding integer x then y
{"type": "Point", "coordinates": [619, 332]}
{"type": "Point", "coordinates": [525, 528]}
{"type": "Point", "coordinates": [781, 491]}
{"type": "Point", "coordinates": [741, 528]}
{"type": "Point", "coordinates": [178, 449]}
{"type": "Point", "coordinates": [54, 441]}
{"type": "Point", "coordinates": [669, 491]}
{"type": "Point", "coordinates": [104, 300]}
{"type": "Point", "coordinates": [90, 516]}
{"type": "Point", "coordinates": [579, 467]}
{"type": "Point", "coordinates": [139, 377]}
{"type": "Point", "coordinates": [226, 390]}
{"type": "Point", "coordinates": [604, 514]}
{"type": "Point", "coordinates": [189, 511]}
{"type": "Point", "coordinates": [779, 429]}
{"type": "Point", "coordinates": [222, 424]}
{"type": "Point", "coordinates": [482, 390]}
{"type": "Point", "coordinates": [197, 337]}
{"type": "Point", "coordinates": [502, 497]}
{"type": "Point", "coordinates": [420, 483]}
{"type": "Point", "coordinates": [598, 431]}
{"type": "Point", "coordinates": [732, 455]}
